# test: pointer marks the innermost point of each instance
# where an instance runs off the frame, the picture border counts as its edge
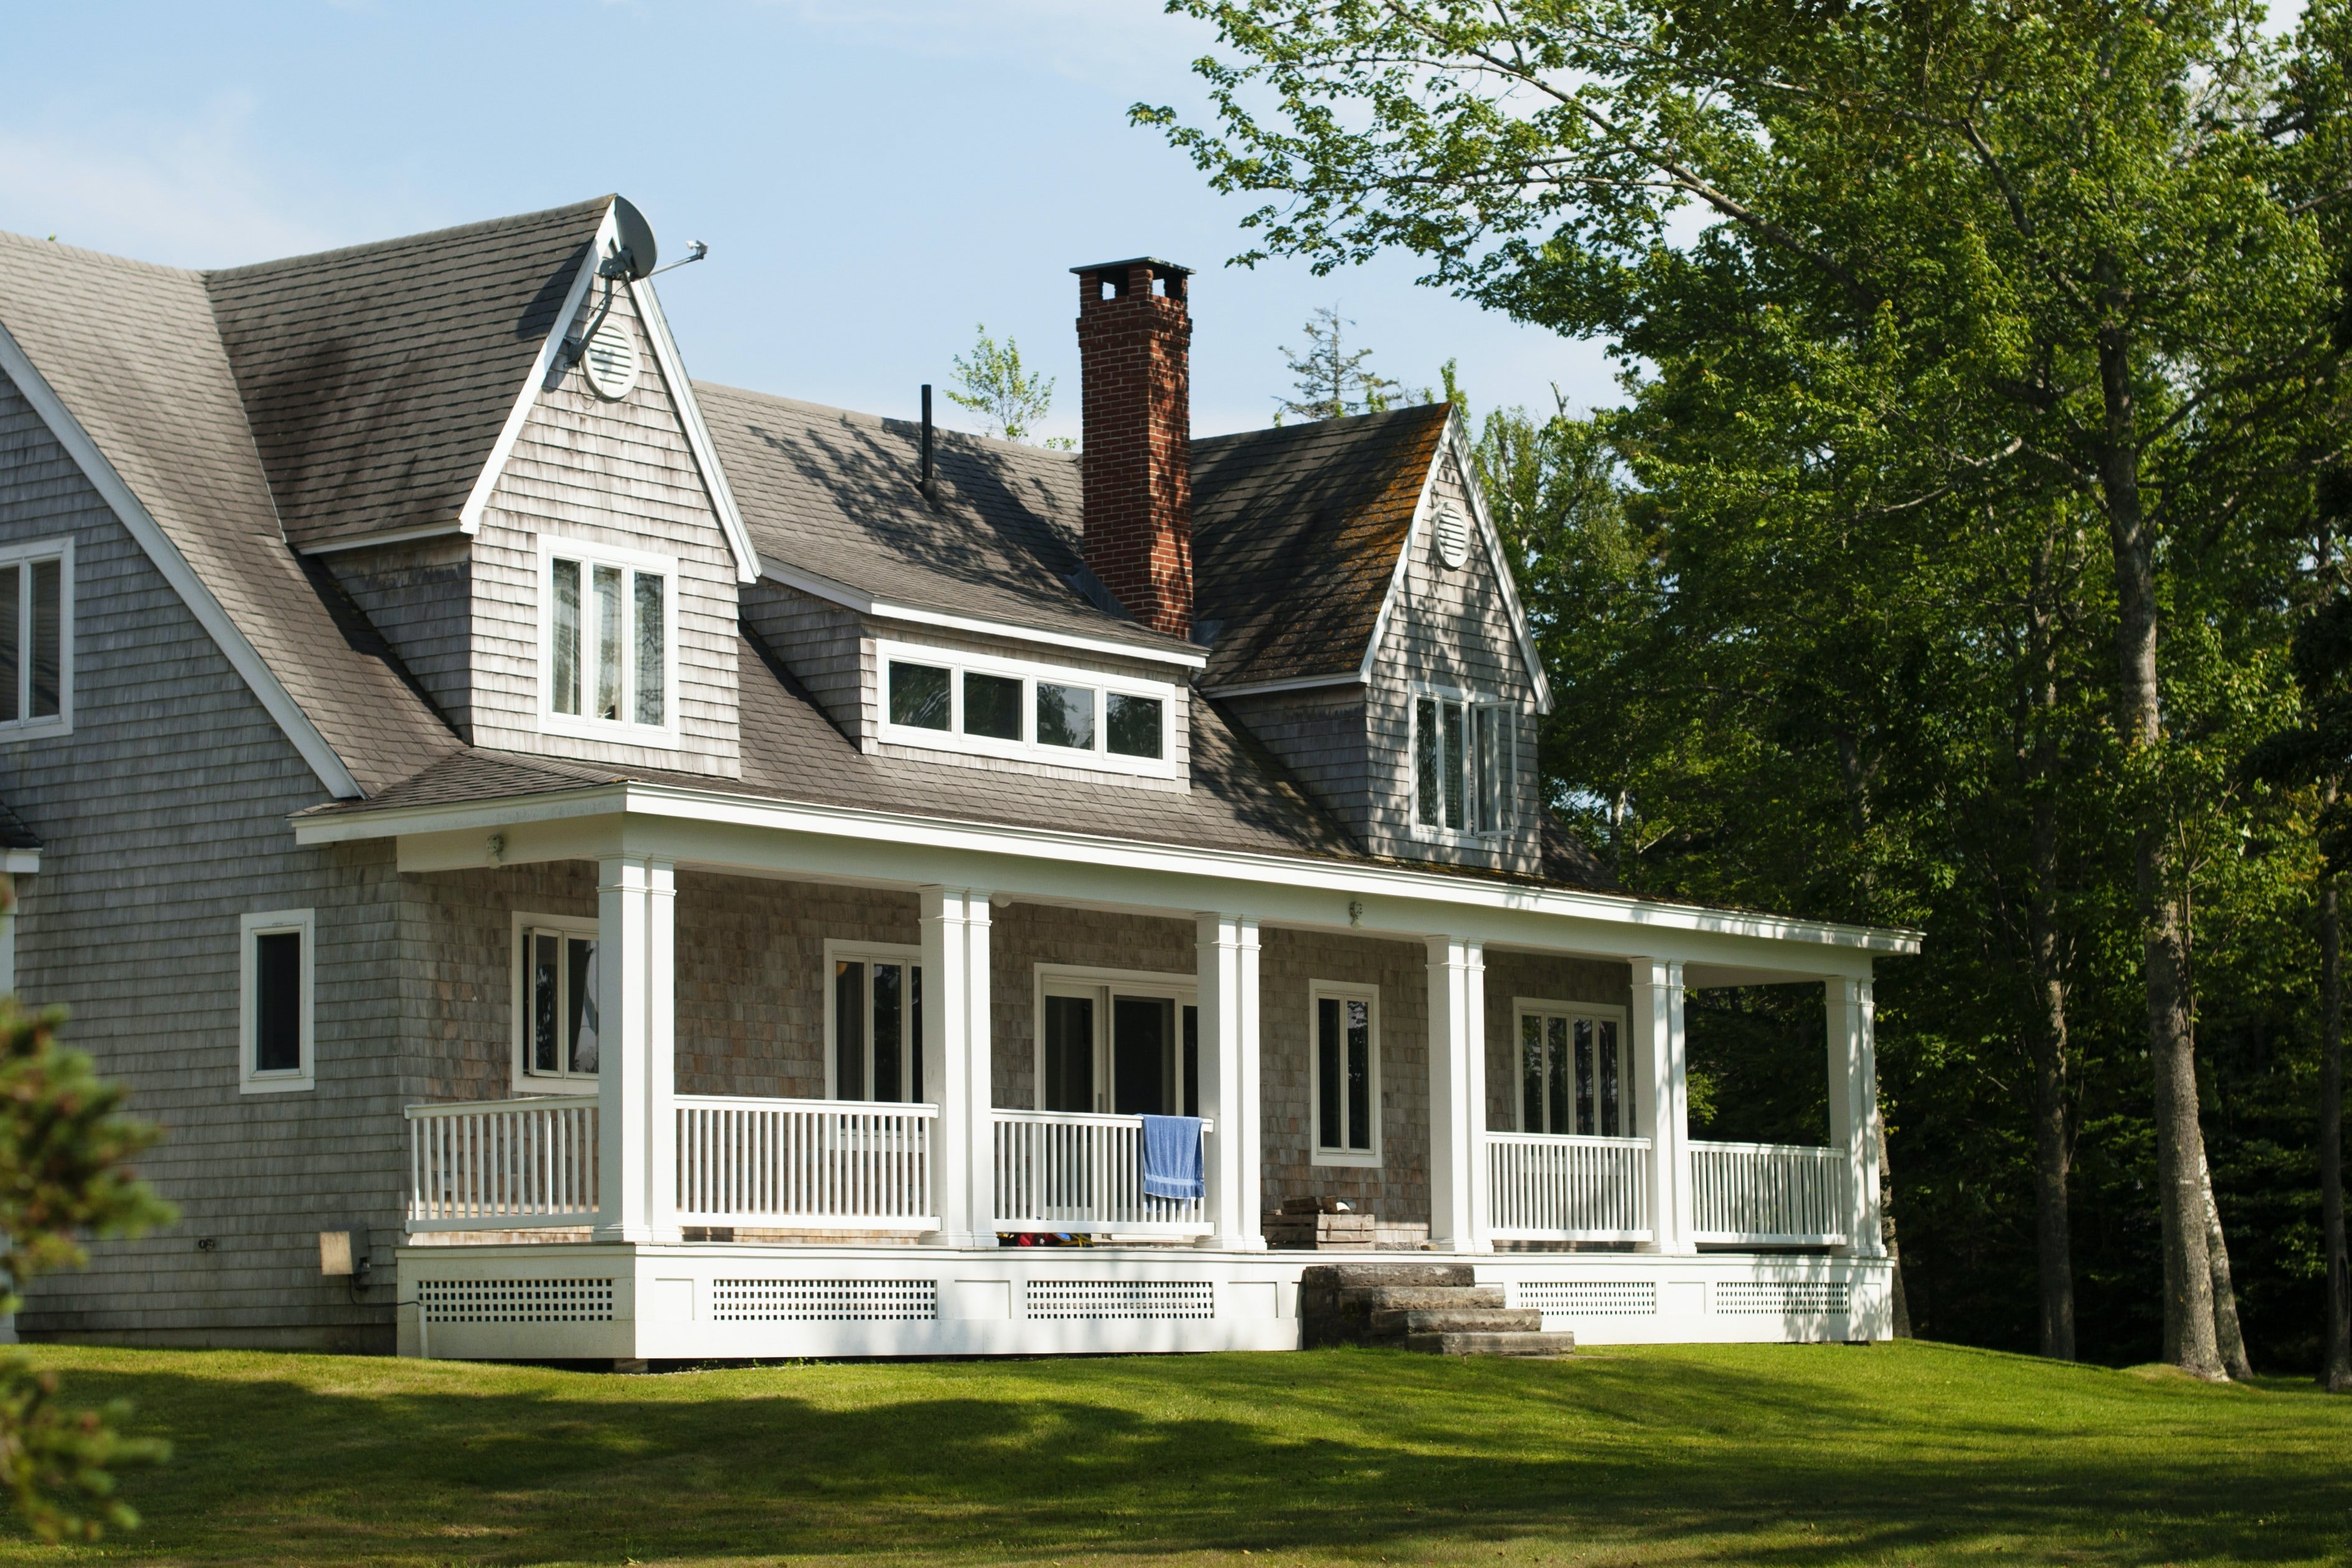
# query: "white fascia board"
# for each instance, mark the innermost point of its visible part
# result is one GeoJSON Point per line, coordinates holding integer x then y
{"type": "Point", "coordinates": [1457, 438]}
{"type": "Point", "coordinates": [389, 536]}
{"type": "Point", "coordinates": [1296, 683]}
{"type": "Point", "coordinates": [658, 802]}
{"type": "Point", "coordinates": [477, 500]}
{"type": "Point", "coordinates": [20, 863]}
{"type": "Point", "coordinates": [698, 434]}
{"type": "Point", "coordinates": [865, 603]}
{"type": "Point", "coordinates": [1415, 531]}
{"type": "Point", "coordinates": [242, 655]}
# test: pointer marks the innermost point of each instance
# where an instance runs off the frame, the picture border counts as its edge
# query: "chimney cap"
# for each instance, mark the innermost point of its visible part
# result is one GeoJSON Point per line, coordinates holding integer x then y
{"type": "Point", "coordinates": [1159, 268]}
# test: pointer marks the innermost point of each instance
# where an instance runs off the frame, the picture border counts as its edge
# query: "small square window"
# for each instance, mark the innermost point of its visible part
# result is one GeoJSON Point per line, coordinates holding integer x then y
{"type": "Point", "coordinates": [919, 696]}
{"type": "Point", "coordinates": [992, 706]}
{"type": "Point", "coordinates": [1066, 716]}
{"type": "Point", "coordinates": [1133, 724]}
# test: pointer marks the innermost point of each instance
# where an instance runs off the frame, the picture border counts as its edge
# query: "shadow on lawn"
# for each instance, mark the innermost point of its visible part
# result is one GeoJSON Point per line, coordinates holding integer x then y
{"type": "Point", "coordinates": [1361, 1452]}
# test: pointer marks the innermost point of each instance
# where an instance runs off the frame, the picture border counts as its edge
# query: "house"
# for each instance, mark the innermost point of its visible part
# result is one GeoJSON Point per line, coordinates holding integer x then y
{"type": "Point", "coordinates": [621, 867]}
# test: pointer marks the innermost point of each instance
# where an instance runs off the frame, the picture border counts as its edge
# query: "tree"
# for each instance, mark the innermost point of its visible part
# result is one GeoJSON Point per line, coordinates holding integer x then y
{"type": "Point", "coordinates": [2083, 245]}
{"type": "Point", "coordinates": [992, 383]}
{"type": "Point", "coordinates": [1332, 381]}
{"type": "Point", "coordinates": [65, 1148]}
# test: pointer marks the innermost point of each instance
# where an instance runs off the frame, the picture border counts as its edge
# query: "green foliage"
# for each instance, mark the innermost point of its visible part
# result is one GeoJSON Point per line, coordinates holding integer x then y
{"type": "Point", "coordinates": [1332, 381]}
{"type": "Point", "coordinates": [65, 1145]}
{"type": "Point", "coordinates": [991, 383]}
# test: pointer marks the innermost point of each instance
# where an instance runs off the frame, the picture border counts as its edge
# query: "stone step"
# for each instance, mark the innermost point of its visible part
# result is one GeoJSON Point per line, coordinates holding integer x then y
{"type": "Point", "coordinates": [1345, 1276]}
{"type": "Point", "coordinates": [1491, 1344]}
{"type": "Point", "coordinates": [1419, 1298]}
{"type": "Point", "coordinates": [1466, 1319]}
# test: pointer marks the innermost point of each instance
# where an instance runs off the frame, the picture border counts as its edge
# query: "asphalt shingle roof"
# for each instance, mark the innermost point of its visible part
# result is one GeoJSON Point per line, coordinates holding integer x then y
{"type": "Point", "coordinates": [131, 350]}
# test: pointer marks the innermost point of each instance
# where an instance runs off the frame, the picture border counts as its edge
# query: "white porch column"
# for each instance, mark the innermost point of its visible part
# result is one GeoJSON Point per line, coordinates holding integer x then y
{"type": "Point", "coordinates": [637, 1041]}
{"type": "Point", "coordinates": [1661, 1068]}
{"type": "Point", "coordinates": [1227, 957]}
{"type": "Point", "coordinates": [1853, 1110]}
{"type": "Point", "coordinates": [1457, 1095]}
{"type": "Point", "coordinates": [957, 1062]}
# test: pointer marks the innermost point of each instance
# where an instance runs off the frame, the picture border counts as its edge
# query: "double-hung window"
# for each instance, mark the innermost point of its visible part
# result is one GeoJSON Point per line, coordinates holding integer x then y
{"type": "Point", "coordinates": [943, 699]}
{"type": "Point", "coordinates": [875, 1021]}
{"type": "Point", "coordinates": [1575, 1071]}
{"type": "Point", "coordinates": [1344, 1057]}
{"type": "Point", "coordinates": [609, 637]}
{"type": "Point", "coordinates": [277, 1042]}
{"type": "Point", "coordinates": [1464, 764]}
{"type": "Point", "coordinates": [36, 636]}
{"type": "Point", "coordinates": [558, 988]}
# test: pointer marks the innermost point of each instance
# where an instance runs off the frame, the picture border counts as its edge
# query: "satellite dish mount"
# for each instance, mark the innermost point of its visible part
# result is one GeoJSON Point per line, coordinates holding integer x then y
{"type": "Point", "coordinates": [631, 256]}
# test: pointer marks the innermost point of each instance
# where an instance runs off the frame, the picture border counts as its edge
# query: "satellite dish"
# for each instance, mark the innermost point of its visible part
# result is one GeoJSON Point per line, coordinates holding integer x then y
{"type": "Point", "coordinates": [636, 237]}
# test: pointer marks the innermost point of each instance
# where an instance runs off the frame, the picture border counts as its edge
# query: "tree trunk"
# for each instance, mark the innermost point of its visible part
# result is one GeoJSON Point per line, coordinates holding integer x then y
{"type": "Point", "coordinates": [2053, 1146]}
{"type": "Point", "coordinates": [1887, 1235]}
{"type": "Point", "coordinates": [2227, 1337]}
{"type": "Point", "coordinates": [2187, 1278]}
{"type": "Point", "coordinates": [2336, 1372]}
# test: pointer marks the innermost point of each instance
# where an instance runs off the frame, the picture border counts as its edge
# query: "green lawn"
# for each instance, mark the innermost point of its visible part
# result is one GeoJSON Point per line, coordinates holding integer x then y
{"type": "Point", "coordinates": [1779, 1454]}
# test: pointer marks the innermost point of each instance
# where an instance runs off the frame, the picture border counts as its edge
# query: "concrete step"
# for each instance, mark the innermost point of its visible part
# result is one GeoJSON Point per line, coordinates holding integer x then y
{"type": "Point", "coordinates": [1345, 1276]}
{"type": "Point", "coordinates": [1419, 1298]}
{"type": "Point", "coordinates": [1492, 1344]}
{"type": "Point", "coordinates": [1465, 1320]}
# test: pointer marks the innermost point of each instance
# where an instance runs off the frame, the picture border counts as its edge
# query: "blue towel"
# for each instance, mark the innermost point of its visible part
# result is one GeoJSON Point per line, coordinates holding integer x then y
{"type": "Point", "coordinates": [1172, 1158]}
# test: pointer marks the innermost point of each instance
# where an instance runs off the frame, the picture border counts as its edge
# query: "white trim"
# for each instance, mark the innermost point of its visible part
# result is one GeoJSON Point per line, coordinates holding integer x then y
{"type": "Point", "coordinates": [581, 726]}
{"type": "Point", "coordinates": [389, 536]}
{"type": "Point", "coordinates": [857, 598]}
{"type": "Point", "coordinates": [1103, 985]}
{"type": "Point", "coordinates": [1297, 684]}
{"type": "Point", "coordinates": [241, 653]}
{"type": "Point", "coordinates": [251, 1079]}
{"type": "Point", "coordinates": [1629, 1101]}
{"type": "Point", "coordinates": [847, 950]}
{"type": "Point", "coordinates": [1344, 991]}
{"type": "Point", "coordinates": [698, 434]}
{"type": "Point", "coordinates": [958, 662]}
{"type": "Point", "coordinates": [518, 1072]}
{"type": "Point", "coordinates": [1457, 439]}
{"type": "Point", "coordinates": [20, 863]}
{"type": "Point", "coordinates": [670, 801]}
{"type": "Point", "coordinates": [1509, 803]}
{"type": "Point", "coordinates": [61, 723]}
{"type": "Point", "coordinates": [477, 500]}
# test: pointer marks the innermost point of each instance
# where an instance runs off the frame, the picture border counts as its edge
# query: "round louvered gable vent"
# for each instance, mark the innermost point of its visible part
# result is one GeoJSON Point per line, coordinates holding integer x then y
{"type": "Point", "coordinates": [1453, 539]}
{"type": "Point", "coordinates": [611, 361]}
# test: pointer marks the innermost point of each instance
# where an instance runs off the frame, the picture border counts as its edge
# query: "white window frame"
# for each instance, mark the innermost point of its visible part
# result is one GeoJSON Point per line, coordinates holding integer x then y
{"type": "Point", "coordinates": [527, 1081]}
{"type": "Point", "coordinates": [838, 951]}
{"type": "Point", "coordinates": [581, 726]}
{"type": "Point", "coordinates": [61, 550]}
{"type": "Point", "coordinates": [1507, 780]}
{"type": "Point", "coordinates": [958, 662]}
{"type": "Point", "coordinates": [1345, 991]}
{"type": "Point", "coordinates": [1628, 1097]}
{"type": "Point", "coordinates": [251, 1079]}
{"type": "Point", "coordinates": [1080, 980]}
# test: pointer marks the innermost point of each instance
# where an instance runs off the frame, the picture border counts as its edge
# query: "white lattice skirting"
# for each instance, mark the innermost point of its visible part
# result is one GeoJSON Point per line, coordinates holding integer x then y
{"type": "Point", "coordinates": [516, 1300]}
{"type": "Point", "coordinates": [1785, 1298]}
{"type": "Point", "coordinates": [823, 1300]}
{"type": "Point", "coordinates": [1051, 1299]}
{"type": "Point", "coordinates": [1592, 1298]}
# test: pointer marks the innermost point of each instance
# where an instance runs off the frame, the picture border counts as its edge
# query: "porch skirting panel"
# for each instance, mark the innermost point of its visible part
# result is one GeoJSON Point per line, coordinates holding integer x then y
{"type": "Point", "coordinates": [637, 1301]}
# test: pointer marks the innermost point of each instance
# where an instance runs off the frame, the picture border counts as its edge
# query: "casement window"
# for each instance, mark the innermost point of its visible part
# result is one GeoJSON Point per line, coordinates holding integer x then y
{"type": "Point", "coordinates": [1465, 771]}
{"type": "Point", "coordinates": [874, 1020]}
{"type": "Point", "coordinates": [557, 991]}
{"type": "Point", "coordinates": [608, 643]}
{"type": "Point", "coordinates": [1128, 1043]}
{"type": "Point", "coordinates": [1344, 1057]}
{"type": "Point", "coordinates": [943, 699]}
{"type": "Point", "coordinates": [37, 637]}
{"type": "Point", "coordinates": [1576, 1070]}
{"type": "Point", "coordinates": [276, 1041]}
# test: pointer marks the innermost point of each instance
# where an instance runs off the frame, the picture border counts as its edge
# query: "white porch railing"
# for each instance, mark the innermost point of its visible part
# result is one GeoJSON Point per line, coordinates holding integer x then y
{"type": "Point", "coordinates": [502, 1165]}
{"type": "Point", "coordinates": [1060, 1170]}
{"type": "Point", "coordinates": [1544, 1187]}
{"type": "Point", "coordinates": [1768, 1193]}
{"type": "Point", "coordinates": [848, 1165]}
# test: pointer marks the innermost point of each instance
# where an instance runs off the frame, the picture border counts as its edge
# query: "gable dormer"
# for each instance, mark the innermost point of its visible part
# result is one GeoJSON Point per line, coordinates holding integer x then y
{"type": "Point", "coordinates": [487, 438]}
{"type": "Point", "coordinates": [1368, 633]}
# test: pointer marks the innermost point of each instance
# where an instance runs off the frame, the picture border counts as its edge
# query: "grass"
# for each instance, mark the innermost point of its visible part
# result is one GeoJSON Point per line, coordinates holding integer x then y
{"type": "Point", "coordinates": [1773, 1454]}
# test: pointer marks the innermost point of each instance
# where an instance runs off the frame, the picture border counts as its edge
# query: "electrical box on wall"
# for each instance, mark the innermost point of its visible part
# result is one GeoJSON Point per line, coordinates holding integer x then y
{"type": "Point", "coordinates": [343, 1253]}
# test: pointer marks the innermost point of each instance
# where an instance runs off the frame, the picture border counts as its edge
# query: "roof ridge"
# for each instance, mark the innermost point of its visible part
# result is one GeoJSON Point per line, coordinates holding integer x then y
{"type": "Point", "coordinates": [453, 231]}
{"type": "Point", "coordinates": [887, 421]}
{"type": "Point", "coordinates": [87, 254]}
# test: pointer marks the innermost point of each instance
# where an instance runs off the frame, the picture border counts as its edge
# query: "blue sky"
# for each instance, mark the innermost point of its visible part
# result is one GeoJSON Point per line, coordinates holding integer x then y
{"type": "Point", "coordinates": [874, 177]}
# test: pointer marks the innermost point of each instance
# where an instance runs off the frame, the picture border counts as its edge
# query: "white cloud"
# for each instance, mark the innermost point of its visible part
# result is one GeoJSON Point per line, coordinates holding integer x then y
{"type": "Point", "coordinates": [192, 194]}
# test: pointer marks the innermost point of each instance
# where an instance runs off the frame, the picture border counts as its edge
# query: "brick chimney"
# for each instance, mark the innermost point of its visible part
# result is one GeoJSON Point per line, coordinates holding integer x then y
{"type": "Point", "coordinates": [1135, 337]}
